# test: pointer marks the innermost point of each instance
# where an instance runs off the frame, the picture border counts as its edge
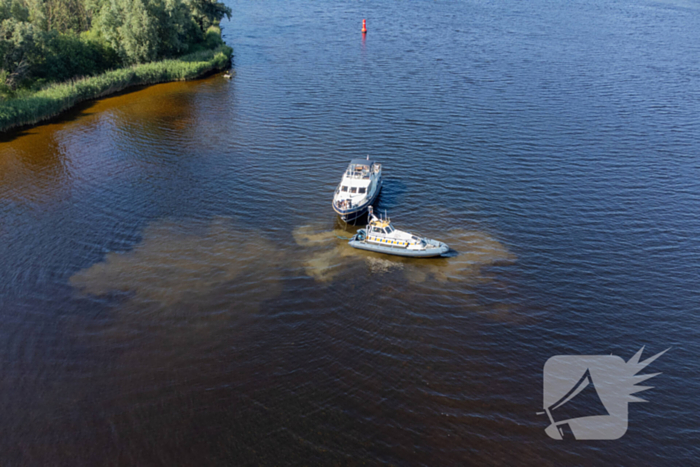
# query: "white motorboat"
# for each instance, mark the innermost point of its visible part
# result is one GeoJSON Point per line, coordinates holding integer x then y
{"type": "Point", "coordinates": [358, 189]}
{"type": "Point", "coordinates": [380, 236]}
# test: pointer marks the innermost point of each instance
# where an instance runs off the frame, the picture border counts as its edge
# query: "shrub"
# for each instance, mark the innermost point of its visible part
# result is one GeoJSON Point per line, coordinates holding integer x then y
{"type": "Point", "coordinates": [56, 98]}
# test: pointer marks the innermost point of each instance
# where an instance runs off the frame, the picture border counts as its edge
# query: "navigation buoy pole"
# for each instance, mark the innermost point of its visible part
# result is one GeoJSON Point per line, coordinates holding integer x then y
{"type": "Point", "coordinates": [364, 26]}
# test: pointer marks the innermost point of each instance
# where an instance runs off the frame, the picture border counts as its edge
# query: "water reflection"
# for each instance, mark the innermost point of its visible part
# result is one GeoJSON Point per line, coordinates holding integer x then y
{"type": "Point", "coordinates": [34, 173]}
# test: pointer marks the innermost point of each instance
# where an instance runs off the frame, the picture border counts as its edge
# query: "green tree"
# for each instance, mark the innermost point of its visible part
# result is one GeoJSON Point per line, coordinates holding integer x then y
{"type": "Point", "coordinates": [208, 13]}
{"type": "Point", "coordinates": [37, 14]}
{"type": "Point", "coordinates": [19, 10]}
{"type": "Point", "coordinates": [67, 15]}
{"type": "Point", "coordinates": [20, 46]}
{"type": "Point", "coordinates": [52, 40]}
{"type": "Point", "coordinates": [176, 27]}
{"type": "Point", "coordinates": [139, 34]}
{"type": "Point", "coordinates": [71, 55]}
{"type": "Point", "coordinates": [108, 21]}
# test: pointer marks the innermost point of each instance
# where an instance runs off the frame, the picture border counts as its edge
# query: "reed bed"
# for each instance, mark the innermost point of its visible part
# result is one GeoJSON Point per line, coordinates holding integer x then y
{"type": "Point", "coordinates": [56, 98]}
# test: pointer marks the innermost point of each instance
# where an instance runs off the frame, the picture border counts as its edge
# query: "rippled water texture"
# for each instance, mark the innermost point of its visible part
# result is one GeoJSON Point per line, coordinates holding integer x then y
{"type": "Point", "coordinates": [171, 265]}
{"type": "Point", "coordinates": [175, 288]}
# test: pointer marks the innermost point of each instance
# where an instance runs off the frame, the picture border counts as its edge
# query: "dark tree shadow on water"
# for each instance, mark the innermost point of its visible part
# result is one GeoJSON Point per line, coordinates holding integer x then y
{"type": "Point", "coordinates": [10, 135]}
{"type": "Point", "coordinates": [74, 113]}
{"type": "Point", "coordinates": [69, 115]}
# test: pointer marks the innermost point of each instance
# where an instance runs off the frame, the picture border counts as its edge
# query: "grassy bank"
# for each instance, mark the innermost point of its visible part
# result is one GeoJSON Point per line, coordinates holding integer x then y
{"type": "Point", "coordinates": [56, 98]}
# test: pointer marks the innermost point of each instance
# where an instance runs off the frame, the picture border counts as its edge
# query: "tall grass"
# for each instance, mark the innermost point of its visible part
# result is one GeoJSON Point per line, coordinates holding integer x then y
{"type": "Point", "coordinates": [56, 98]}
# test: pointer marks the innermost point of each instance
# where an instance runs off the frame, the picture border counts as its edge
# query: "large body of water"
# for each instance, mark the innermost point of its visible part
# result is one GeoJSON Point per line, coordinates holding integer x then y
{"type": "Point", "coordinates": [176, 289]}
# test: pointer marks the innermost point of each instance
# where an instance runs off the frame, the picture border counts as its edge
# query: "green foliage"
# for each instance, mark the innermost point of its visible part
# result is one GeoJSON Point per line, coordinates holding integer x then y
{"type": "Point", "coordinates": [44, 41]}
{"type": "Point", "coordinates": [212, 38]}
{"type": "Point", "coordinates": [66, 15]}
{"type": "Point", "coordinates": [58, 97]}
{"type": "Point", "coordinates": [144, 30]}
{"type": "Point", "coordinates": [4, 88]}
{"type": "Point", "coordinates": [69, 55]}
{"type": "Point", "coordinates": [208, 13]}
{"type": "Point", "coordinates": [19, 11]}
{"type": "Point", "coordinates": [20, 46]}
{"type": "Point", "coordinates": [176, 27]}
{"type": "Point", "coordinates": [139, 34]}
{"type": "Point", "coordinates": [37, 14]}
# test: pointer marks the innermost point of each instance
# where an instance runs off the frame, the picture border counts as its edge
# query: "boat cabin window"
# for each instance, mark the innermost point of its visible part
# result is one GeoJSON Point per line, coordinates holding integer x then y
{"type": "Point", "coordinates": [353, 189]}
{"type": "Point", "coordinates": [344, 188]}
{"type": "Point", "coordinates": [389, 229]}
{"type": "Point", "coordinates": [363, 190]}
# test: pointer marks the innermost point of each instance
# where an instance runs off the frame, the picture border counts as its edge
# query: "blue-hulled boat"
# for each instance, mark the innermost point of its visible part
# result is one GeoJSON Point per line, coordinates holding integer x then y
{"type": "Point", "coordinates": [358, 189]}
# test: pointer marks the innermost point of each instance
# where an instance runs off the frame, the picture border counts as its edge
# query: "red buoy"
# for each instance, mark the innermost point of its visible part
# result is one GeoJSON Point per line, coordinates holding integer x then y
{"type": "Point", "coordinates": [364, 26]}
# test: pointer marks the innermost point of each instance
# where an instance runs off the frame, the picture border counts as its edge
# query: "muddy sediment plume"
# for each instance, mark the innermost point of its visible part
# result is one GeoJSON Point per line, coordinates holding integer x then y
{"type": "Point", "coordinates": [328, 256]}
{"type": "Point", "coordinates": [177, 263]}
{"type": "Point", "coordinates": [472, 252]}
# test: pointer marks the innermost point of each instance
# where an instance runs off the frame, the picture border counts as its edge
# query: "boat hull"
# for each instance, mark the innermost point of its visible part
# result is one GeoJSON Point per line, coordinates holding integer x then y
{"type": "Point", "coordinates": [438, 250]}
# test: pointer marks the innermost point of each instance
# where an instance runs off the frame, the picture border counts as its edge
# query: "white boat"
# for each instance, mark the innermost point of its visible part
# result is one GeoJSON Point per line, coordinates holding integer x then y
{"type": "Point", "coordinates": [380, 236]}
{"type": "Point", "coordinates": [358, 189]}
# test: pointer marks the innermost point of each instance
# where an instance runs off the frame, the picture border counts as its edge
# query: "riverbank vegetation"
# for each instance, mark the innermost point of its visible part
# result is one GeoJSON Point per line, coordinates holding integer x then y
{"type": "Point", "coordinates": [55, 98]}
{"type": "Point", "coordinates": [96, 47]}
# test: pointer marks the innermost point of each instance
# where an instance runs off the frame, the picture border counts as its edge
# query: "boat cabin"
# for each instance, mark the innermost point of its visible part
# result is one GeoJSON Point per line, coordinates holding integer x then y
{"type": "Point", "coordinates": [356, 184]}
{"type": "Point", "coordinates": [361, 169]}
{"type": "Point", "coordinates": [381, 231]}
{"type": "Point", "coordinates": [381, 237]}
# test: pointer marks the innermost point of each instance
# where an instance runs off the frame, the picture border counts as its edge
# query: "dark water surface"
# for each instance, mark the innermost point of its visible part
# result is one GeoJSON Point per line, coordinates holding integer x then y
{"type": "Point", "coordinates": [175, 288]}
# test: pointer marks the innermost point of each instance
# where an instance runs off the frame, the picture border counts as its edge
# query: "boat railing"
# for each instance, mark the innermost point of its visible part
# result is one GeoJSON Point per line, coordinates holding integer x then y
{"type": "Point", "coordinates": [344, 204]}
{"type": "Point", "coordinates": [357, 175]}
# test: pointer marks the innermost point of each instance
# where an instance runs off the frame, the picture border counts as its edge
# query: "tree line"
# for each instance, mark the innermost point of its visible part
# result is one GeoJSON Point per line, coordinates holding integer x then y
{"type": "Point", "coordinates": [44, 41]}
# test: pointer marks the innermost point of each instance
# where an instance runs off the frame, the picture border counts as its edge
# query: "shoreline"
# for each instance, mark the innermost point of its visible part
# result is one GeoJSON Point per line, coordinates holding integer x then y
{"type": "Point", "coordinates": [58, 98]}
